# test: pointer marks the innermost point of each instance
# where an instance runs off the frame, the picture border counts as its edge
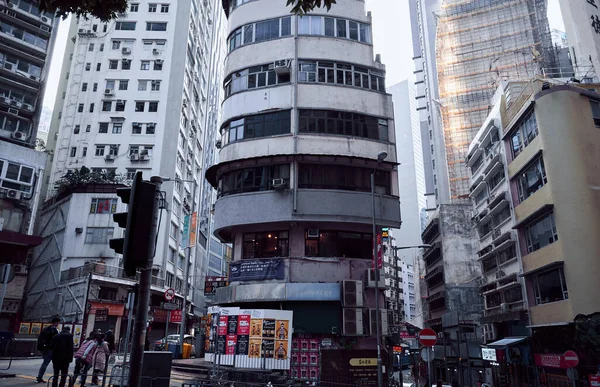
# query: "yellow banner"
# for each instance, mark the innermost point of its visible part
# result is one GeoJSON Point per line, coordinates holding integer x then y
{"type": "Point", "coordinates": [364, 362]}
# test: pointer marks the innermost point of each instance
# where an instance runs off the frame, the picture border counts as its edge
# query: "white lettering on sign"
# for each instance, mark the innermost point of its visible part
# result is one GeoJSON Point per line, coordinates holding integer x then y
{"type": "Point", "coordinates": [550, 361]}
{"type": "Point", "coordinates": [488, 354]}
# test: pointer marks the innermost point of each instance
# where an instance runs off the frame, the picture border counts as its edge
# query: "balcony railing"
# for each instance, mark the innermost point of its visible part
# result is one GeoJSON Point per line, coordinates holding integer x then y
{"type": "Point", "coordinates": [103, 270]}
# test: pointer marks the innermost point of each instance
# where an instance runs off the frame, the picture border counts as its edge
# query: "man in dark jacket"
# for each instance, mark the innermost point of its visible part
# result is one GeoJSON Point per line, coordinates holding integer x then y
{"type": "Point", "coordinates": [43, 345]}
{"type": "Point", "coordinates": [62, 355]}
{"type": "Point", "coordinates": [109, 337]}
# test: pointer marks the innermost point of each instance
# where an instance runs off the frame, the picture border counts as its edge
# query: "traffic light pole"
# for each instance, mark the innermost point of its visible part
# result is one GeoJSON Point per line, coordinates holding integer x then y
{"type": "Point", "coordinates": [141, 315]}
{"type": "Point", "coordinates": [186, 274]}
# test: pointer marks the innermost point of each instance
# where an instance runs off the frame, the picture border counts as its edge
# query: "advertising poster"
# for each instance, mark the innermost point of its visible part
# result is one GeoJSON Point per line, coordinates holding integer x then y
{"type": "Point", "coordinates": [232, 325]}
{"type": "Point", "coordinates": [255, 350]}
{"type": "Point", "coordinates": [282, 329]}
{"type": "Point", "coordinates": [295, 372]}
{"type": "Point", "coordinates": [221, 344]}
{"type": "Point", "coordinates": [281, 352]}
{"type": "Point", "coordinates": [313, 358]}
{"type": "Point", "coordinates": [36, 328]}
{"type": "Point", "coordinates": [193, 227]}
{"type": "Point", "coordinates": [242, 345]}
{"type": "Point", "coordinates": [24, 328]}
{"type": "Point", "coordinates": [303, 373]}
{"type": "Point", "coordinates": [313, 373]}
{"type": "Point", "coordinates": [295, 358]}
{"type": "Point", "coordinates": [314, 345]}
{"type": "Point", "coordinates": [243, 325]}
{"type": "Point", "coordinates": [223, 326]}
{"type": "Point", "coordinates": [304, 343]}
{"type": "Point", "coordinates": [268, 348]}
{"type": "Point", "coordinates": [257, 269]}
{"type": "Point", "coordinates": [268, 329]}
{"type": "Point", "coordinates": [231, 344]}
{"type": "Point", "coordinates": [77, 331]}
{"type": "Point", "coordinates": [303, 358]}
{"type": "Point", "coordinates": [295, 345]}
{"type": "Point", "coordinates": [256, 327]}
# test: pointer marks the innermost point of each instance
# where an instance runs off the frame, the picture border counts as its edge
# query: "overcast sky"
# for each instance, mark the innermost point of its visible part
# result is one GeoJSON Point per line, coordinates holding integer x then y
{"type": "Point", "coordinates": [391, 35]}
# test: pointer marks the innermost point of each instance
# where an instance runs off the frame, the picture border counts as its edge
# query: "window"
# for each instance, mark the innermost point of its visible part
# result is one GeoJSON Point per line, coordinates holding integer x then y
{"type": "Point", "coordinates": [100, 150]}
{"type": "Point", "coordinates": [158, 65]}
{"type": "Point", "coordinates": [110, 84]}
{"type": "Point", "coordinates": [139, 106]}
{"type": "Point", "coordinates": [341, 28]}
{"type": "Point", "coordinates": [550, 286]}
{"type": "Point", "coordinates": [526, 131]}
{"type": "Point", "coordinates": [155, 85]}
{"type": "Point", "coordinates": [103, 127]}
{"type": "Point", "coordinates": [151, 7]}
{"type": "Point", "coordinates": [84, 86]}
{"type": "Point", "coordinates": [339, 244]}
{"type": "Point", "coordinates": [113, 64]}
{"type": "Point", "coordinates": [341, 74]}
{"type": "Point", "coordinates": [342, 177]}
{"type": "Point", "coordinates": [531, 179]}
{"type": "Point", "coordinates": [130, 174]}
{"type": "Point", "coordinates": [77, 129]}
{"type": "Point", "coordinates": [259, 32]}
{"type": "Point", "coordinates": [73, 151]}
{"type": "Point", "coordinates": [156, 26]}
{"type": "Point", "coordinates": [98, 66]}
{"type": "Point", "coordinates": [496, 179]}
{"type": "Point", "coordinates": [91, 47]}
{"type": "Point", "coordinates": [253, 77]}
{"type": "Point", "coordinates": [125, 26]}
{"type": "Point", "coordinates": [101, 47]}
{"type": "Point", "coordinates": [136, 128]}
{"type": "Point", "coordinates": [117, 128]}
{"type": "Point", "coordinates": [120, 106]}
{"type": "Point", "coordinates": [104, 27]}
{"type": "Point", "coordinates": [153, 107]}
{"type": "Point", "coordinates": [91, 108]}
{"type": "Point", "coordinates": [106, 106]}
{"type": "Point", "coordinates": [261, 125]}
{"type": "Point", "coordinates": [134, 7]}
{"type": "Point", "coordinates": [343, 124]}
{"type": "Point", "coordinates": [541, 233]}
{"type": "Point", "coordinates": [80, 108]}
{"type": "Point", "coordinates": [142, 85]}
{"type": "Point", "coordinates": [103, 206]}
{"type": "Point", "coordinates": [164, 8]}
{"type": "Point", "coordinates": [126, 64]}
{"type": "Point", "coordinates": [98, 235]}
{"type": "Point", "coordinates": [109, 294]}
{"type": "Point", "coordinates": [595, 105]}
{"type": "Point", "coordinates": [145, 65]}
{"type": "Point", "coordinates": [88, 66]}
{"type": "Point", "coordinates": [266, 244]}
{"type": "Point", "coordinates": [150, 127]}
{"type": "Point", "coordinates": [88, 128]}
{"type": "Point", "coordinates": [95, 27]}
{"type": "Point", "coordinates": [116, 44]}
{"type": "Point", "coordinates": [123, 84]}
{"type": "Point", "coordinates": [84, 152]}
{"type": "Point", "coordinates": [252, 179]}
{"type": "Point", "coordinates": [95, 87]}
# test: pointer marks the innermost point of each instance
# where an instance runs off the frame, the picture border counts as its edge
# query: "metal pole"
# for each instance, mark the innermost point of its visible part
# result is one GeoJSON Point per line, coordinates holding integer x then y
{"type": "Point", "coordinates": [376, 261]}
{"type": "Point", "coordinates": [186, 274]}
{"type": "Point", "coordinates": [167, 327]}
{"type": "Point", "coordinates": [6, 274]}
{"type": "Point", "coordinates": [401, 363]}
{"type": "Point", "coordinates": [429, 356]}
{"type": "Point", "coordinates": [130, 305]}
{"type": "Point", "coordinates": [139, 326]}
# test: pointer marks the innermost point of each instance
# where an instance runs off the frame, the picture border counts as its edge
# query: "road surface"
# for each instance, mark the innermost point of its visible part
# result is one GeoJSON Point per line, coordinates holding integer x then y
{"type": "Point", "coordinates": [26, 371]}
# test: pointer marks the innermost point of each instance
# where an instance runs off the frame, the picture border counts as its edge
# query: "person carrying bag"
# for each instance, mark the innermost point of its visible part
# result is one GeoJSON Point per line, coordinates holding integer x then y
{"type": "Point", "coordinates": [83, 360]}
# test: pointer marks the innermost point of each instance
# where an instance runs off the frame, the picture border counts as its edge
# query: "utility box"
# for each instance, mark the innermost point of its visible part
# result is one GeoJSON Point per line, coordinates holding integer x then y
{"type": "Point", "coordinates": [156, 369]}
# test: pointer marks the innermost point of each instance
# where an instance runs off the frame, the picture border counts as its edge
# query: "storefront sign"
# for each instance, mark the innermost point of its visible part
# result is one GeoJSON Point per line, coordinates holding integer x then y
{"type": "Point", "coordinates": [113, 309]}
{"type": "Point", "coordinates": [550, 361]}
{"type": "Point", "coordinates": [488, 354]}
{"type": "Point", "coordinates": [257, 270]}
{"type": "Point", "coordinates": [193, 226]}
{"type": "Point", "coordinates": [212, 283]}
{"type": "Point", "coordinates": [594, 380]}
{"type": "Point", "coordinates": [185, 236]}
{"type": "Point", "coordinates": [313, 292]}
{"type": "Point", "coordinates": [101, 315]}
{"type": "Point", "coordinates": [175, 316]}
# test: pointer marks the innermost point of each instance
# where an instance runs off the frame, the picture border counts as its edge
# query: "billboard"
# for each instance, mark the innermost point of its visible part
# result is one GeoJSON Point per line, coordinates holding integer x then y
{"type": "Point", "coordinates": [250, 338]}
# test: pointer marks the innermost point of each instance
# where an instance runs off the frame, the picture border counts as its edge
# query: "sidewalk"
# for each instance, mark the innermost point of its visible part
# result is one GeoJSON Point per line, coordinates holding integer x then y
{"type": "Point", "coordinates": [190, 362]}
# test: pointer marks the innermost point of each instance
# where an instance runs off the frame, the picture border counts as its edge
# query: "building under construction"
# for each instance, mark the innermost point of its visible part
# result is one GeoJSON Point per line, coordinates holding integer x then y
{"type": "Point", "coordinates": [478, 44]}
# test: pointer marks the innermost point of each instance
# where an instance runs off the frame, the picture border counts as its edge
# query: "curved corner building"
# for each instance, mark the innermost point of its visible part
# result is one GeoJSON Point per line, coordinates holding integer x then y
{"type": "Point", "coordinates": [304, 117]}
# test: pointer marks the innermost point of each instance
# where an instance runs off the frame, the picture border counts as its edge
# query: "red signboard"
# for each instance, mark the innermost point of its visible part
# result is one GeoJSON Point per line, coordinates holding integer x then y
{"type": "Point", "coordinates": [571, 359]}
{"type": "Point", "coordinates": [212, 283]}
{"type": "Point", "coordinates": [379, 253]}
{"type": "Point", "coordinates": [243, 324]}
{"type": "Point", "coordinates": [594, 380]}
{"type": "Point", "coordinates": [113, 309]}
{"type": "Point", "coordinates": [406, 335]}
{"type": "Point", "coordinates": [222, 331]}
{"type": "Point", "coordinates": [231, 343]}
{"type": "Point", "coordinates": [428, 337]}
{"type": "Point", "coordinates": [175, 316]}
{"type": "Point", "coordinates": [550, 360]}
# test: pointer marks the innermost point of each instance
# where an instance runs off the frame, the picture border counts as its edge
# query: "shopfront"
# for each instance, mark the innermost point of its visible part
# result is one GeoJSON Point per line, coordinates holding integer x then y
{"type": "Point", "coordinates": [510, 362]}
{"type": "Point", "coordinates": [104, 316]}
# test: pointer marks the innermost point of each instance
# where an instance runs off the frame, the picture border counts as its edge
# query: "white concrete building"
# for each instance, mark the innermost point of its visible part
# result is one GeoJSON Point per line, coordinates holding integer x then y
{"type": "Point", "coordinates": [305, 116]}
{"type": "Point", "coordinates": [141, 93]}
{"type": "Point", "coordinates": [493, 218]}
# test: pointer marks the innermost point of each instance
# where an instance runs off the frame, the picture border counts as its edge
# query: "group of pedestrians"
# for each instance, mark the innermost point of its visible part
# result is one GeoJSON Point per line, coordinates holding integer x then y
{"type": "Point", "coordinates": [58, 348]}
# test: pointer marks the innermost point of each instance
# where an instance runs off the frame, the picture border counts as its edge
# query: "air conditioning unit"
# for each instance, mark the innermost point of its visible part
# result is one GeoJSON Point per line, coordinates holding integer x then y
{"type": "Point", "coordinates": [28, 107]}
{"type": "Point", "coordinates": [278, 184]}
{"type": "Point", "coordinates": [489, 332]}
{"type": "Point", "coordinates": [20, 269]}
{"type": "Point", "coordinates": [144, 157]}
{"type": "Point", "coordinates": [17, 135]}
{"type": "Point", "coordinates": [45, 28]}
{"type": "Point", "coordinates": [126, 51]}
{"type": "Point", "coordinates": [371, 279]}
{"type": "Point", "coordinates": [134, 157]}
{"type": "Point", "coordinates": [504, 308]}
{"type": "Point", "coordinates": [352, 294]}
{"type": "Point", "coordinates": [9, 66]}
{"type": "Point", "coordinates": [90, 32]}
{"type": "Point", "coordinates": [383, 322]}
{"type": "Point", "coordinates": [120, 101]}
{"type": "Point", "coordinates": [155, 51]}
{"type": "Point", "coordinates": [12, 194]}
{"type": "Point", "coordinates": [109, 92]}
{"type": "Point", "coordinates": [218, 144]}
{"type": "Point", "coordinates": [352, 322]}
{"type": "Point", "coordinates": [46, 20]}
{"type": "Point", "coordinates": [34, 77]}
{"type": "Point", "coordinates": [496, 233]}
{"type": "Point", "coordinates": [159, 61]}
{"type": "Point", "coordinates": [282, 66]}
{"type": "Point", "coordinates": [109, 157]}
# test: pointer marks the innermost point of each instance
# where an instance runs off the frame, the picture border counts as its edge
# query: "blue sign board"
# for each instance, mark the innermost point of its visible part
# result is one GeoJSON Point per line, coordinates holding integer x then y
{"type": "Point", "coordinates": [313, 291]}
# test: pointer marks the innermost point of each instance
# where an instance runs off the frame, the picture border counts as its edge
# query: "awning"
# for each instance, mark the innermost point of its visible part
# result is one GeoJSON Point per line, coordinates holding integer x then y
{"type": "Point", "coordinates": [507, 341]}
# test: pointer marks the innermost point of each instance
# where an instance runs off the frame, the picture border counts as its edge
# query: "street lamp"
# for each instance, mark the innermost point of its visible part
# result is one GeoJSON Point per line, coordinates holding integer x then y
{"type": "Point", "coordinates": [380, 157]}
{"type": "Point", "coordinates": [186, 269]}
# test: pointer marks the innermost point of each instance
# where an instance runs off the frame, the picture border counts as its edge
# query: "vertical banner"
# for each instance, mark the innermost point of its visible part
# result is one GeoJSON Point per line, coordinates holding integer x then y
{"type": "Point", "coordinates": [186, 232]}
{"type": "Point", "coordinates": [379, 253]}
{"type": "Point", "coordinates": [77, 332]}
{"type": "Point", "coordinates": [192, 240]}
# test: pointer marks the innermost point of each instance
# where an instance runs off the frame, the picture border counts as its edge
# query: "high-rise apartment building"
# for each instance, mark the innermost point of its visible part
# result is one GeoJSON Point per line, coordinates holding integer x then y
{"type": "Point", "coordinates": [305, 117]}
{"type": "Point", "coordinates": [141, 93]}
{"type": "Point", "coordinates": [26, 41]}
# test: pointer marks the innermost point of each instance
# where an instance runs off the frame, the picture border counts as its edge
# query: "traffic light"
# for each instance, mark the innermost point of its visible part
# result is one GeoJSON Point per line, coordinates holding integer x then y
{"type": "Point", "coordinates": [137, 246]}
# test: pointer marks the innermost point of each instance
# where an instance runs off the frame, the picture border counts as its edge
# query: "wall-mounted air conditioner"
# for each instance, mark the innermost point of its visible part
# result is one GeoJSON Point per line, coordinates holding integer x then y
{"type": "Point", "coordinates": [383, 322]}
{"type": "Point", "coordinates": [352, 322]}
{"type": "Point", "coordinates": [352, 294]}
{"type": "Point", "coordinates": [371, 279]}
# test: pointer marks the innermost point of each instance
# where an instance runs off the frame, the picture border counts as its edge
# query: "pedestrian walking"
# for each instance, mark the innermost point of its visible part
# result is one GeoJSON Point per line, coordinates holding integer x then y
{"type": "Point", "coordinates": [110, 339]}
{"type": "Point", "coordinates": [100, 358]}
{"type": "Point", "coordinates": [44, 342]}
{"type": "Point", "coordinates": [62, 355]}
{"type": "Point", "coordinates": [83, 360]}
